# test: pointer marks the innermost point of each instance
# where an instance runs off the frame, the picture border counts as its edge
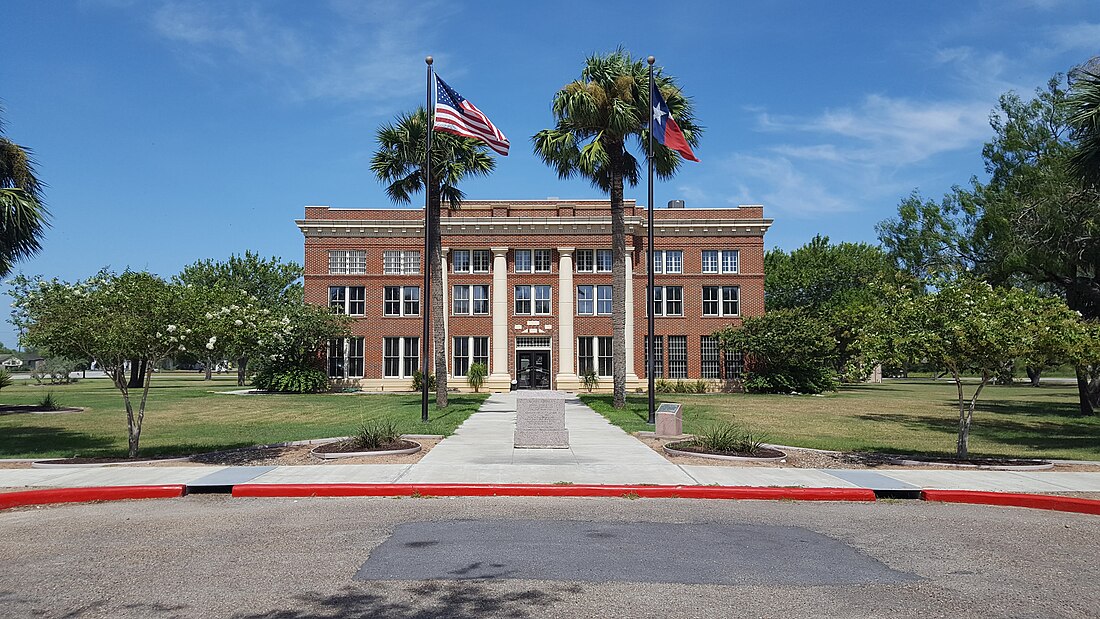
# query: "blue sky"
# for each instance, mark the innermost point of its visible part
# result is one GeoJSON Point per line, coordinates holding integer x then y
{"type": "Point", "coordinates": [175, 131]}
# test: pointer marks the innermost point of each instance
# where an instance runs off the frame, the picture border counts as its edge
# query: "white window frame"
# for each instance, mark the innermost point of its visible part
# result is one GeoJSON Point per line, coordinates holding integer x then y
{"type": "Point", "coordinates": [351, 351]}
{"type": "Point", "coordinates": [471, 357]}
{"type": "Point", "coordinates": [529, 259]}
{"type": "Point", "coordinates": [661, 302]}
{"type": "Point", "coordinates": [668, 261]}
{"type": "Point", "coordinates": [455, 260]}
{"type": "Point", "coordinates": [401, 262]}
{"type": "Point", "coordinates": [597, 345]}
{"type": "Point", "coordinates": [538, 256]}
{"type": "Point", "coordinates": [585, 261]}
{"type": "Point", "coordinates": [347, 262]}
{"type": "Point", "coordinates": [471, 300]}
{"type": "Point", "coordinates": [347, 302]}
{"type": "Point", "coordinates": [726, 294]}
{"type": "Point", "coordinates": [722, 257]}
{"type": "Point", "coordinates": [533, 299]}
{"type": "Point", "coordinates": [607, 254]}
{"type": "Point", "coordinates": [402, 301]}
{"type": "Point", "coordinates": [405, 344]}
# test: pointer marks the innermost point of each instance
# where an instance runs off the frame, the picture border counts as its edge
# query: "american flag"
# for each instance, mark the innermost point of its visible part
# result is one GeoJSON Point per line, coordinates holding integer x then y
{"type": "Point", "coordinates": [456, 115]}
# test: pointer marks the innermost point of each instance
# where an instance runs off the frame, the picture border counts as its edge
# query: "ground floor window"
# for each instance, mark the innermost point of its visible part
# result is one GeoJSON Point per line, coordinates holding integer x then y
{"type": "Point", "coordinates": [345, 357]}
{"type": "Point", "coordinates": [400, 356]}
{"type": "Point", "coordinates": [677, 356]}
{"type": "Point", "coordinates": [735, 364]}
{"type": "Point", "coordinates": [595, 353]}
{"type": "Point", "coordinates": [467, 351]}
{"type": "Point", "coordinates": [658, 356]}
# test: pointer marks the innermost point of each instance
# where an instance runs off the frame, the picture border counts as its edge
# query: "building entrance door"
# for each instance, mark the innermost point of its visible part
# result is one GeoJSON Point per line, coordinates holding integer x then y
{"type": "Point", "coordinates": [532, 369]}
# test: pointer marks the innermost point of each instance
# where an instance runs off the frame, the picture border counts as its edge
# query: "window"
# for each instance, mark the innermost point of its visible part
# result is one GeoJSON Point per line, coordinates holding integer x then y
{"type": "Point", "coordinates": [658, 355]}
{"type": "Point", "coordinates": [472, 299]}
{"type": "Point", "coordinates": [522, 261]}
{"type": "Point", "coordinates": [594, 260]}
{"type": "Point", "coordinates": [721, 261]}
{"type": "Point", "coordinates": [460, 261]}
{"type": "Point", "coordinates": [401, 262]}
{"type": "Point", "coordinates": [587, 305]}
{"type": "Point", "coordinates": [541, 299]}
{"type": "Point", "coordinates": [345, 357]}
{"type": "Point", "coordinates": [462, 359]}
{"type": "Point", "coordinates": [401, 301]}
{"type": "Point", "coordinates": [595, 353]}
{"type": "Point", "coordinates": [532, 260]}
{"type": "Point", "coordinates": [351, 300]}
{"type": "Point", "coordinates": [603, 260]}
{"type": "Point", "coordinates": [523, 300]}
{"type": "Point", "coordinates": [668, 301]}
{"type": "Point", "coordinates": [542, 260]}
{"type": "Point", "coordinates": [708, 348]}
{"type": "Point", "coordinates": [347, 262]}
{"type": "Point", "coordinates": [721, 300]}
{"type": "Point", "coordinates": [677, 356]}
{"type": "Point", "coordinates": [481, 260]}
{"type": "Point", "coordinates": [735, 364]}
{"type": "Point", "coordinates": [668, 261]}
{"type": "Point", "coordinates": [400, 356]}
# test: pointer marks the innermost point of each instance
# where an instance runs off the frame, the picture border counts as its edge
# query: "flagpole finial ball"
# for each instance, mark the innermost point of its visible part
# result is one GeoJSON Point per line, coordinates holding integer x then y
{"type": "Point", "coordinates": [429, 60]}
{"type": "Point", "coordinates": [651, 60]}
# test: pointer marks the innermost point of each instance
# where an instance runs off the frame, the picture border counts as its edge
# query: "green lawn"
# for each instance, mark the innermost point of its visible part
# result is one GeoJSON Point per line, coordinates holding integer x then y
{"type": "Point", "coordinates": [184, 417]}
{"type": "Point", "coordinates": [899, 416]}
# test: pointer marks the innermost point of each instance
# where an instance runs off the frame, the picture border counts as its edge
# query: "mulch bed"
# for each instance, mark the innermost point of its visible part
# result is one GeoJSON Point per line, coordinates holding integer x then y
{"type": "Point", "coordinates": [763, 452]}
{"type": "Point", "coordinates": [342, 447]}
{"type": "Point", "coordinates": [16, 409]}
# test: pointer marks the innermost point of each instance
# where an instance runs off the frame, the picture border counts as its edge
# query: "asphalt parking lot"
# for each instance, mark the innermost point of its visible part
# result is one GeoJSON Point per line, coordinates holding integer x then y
{"type": "Point", "coordinates": [213, 556]}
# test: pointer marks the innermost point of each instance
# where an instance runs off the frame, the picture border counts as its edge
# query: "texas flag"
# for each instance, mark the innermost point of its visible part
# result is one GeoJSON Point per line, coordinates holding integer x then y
{"type": "Point", "coordinates": [665, 129]}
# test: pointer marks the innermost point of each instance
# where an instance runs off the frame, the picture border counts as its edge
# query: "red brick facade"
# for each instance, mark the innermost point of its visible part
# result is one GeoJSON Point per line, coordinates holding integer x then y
{"type": "Point", "coordinates": [562, 227]}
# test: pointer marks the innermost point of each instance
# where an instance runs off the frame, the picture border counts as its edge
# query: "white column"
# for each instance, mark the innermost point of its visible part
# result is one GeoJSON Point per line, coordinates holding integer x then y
{"type": "Point", "coordinates": [567, 373]}
{"type": "Point", "coordinates": [631, 377]}
{"type": "Point", "coordinates": [446, 252]}
{"type": "Point", "coordinates": [500, 378]}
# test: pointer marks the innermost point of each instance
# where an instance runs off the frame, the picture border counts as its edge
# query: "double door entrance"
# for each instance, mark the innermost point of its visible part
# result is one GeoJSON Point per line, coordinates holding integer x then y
{"type": "Point", "coordinates": [532, 369]}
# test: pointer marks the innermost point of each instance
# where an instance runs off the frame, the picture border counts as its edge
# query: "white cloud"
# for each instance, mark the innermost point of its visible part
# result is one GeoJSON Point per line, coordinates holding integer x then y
{"type": "Point", "coordinates": [368, 55]}
{"type": "Point", "coordinates": [782, 186]}
{"type": "Point", "coordinates": [1082, 36]}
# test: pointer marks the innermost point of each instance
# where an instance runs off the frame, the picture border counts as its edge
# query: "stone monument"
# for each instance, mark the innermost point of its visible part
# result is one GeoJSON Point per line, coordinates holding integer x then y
{"type": "Point", "coordinates": [670, 420]}
{"type": "Point", "coordinates": [540, 420]}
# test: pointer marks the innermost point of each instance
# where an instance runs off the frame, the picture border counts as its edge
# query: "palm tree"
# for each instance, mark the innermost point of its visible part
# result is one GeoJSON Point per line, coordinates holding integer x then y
{"type": "Point", "coordinates": [596, 116]}
{"type": "Point", "coordinates": [399, 162]}
{"type": "Point", "coordinates": [23, 217]}
{"type": "Point", "coordinates": [1084, 106]}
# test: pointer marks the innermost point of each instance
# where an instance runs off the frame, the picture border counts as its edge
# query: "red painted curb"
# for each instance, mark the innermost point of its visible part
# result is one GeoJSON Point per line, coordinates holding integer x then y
{"type": "Point", "coordinates": [549, 490]}
{"type": "Point", "coordinates": [1034, 501]}
{"type": "Point", "coordinates": [85, 495]}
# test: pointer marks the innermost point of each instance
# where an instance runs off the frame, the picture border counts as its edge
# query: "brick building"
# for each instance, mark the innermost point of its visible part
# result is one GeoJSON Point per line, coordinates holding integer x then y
{"type": "Point", "coordinates": [527, 287]}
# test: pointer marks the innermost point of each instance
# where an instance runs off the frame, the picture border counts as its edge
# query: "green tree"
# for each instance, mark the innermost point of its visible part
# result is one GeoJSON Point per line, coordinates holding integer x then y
{"type": "Point", "coordinates": [838, 285]}
{"type": "Point", "coordinates": [933, 241]}
{"type": "Point", "coordinates": [287, 356]}
{"type": "Point", "coordinates": [23, 215]}
{"type": "Point", "coordinates": [785, 350]}
{"type": "Point", "coordinates": [399, 163]}
{"type": "Point", "coordinates": [596, 116]}
{"type": "Point", "coordinates": [111, 318]}
{"type": "Point", "coordinates": [1084, 118]}
{"type": "Point", "coordinates": [969, 326]}
{"type": "Point", "coordinates": [242, 281]}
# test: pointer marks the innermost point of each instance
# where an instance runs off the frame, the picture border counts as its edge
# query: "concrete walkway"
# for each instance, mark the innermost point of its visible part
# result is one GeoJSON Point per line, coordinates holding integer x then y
{"type": "Point", "coordinates": [481, 452]}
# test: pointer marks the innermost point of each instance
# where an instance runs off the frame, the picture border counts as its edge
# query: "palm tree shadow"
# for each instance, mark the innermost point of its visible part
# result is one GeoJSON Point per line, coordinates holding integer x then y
{"type": "Point", "coordinates": [31, 439]}
{"type": "Point", "coordinates": [461, 600]}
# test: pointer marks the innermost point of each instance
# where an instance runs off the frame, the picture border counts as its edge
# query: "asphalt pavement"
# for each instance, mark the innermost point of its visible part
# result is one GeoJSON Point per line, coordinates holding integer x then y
{"type": "Point", "coordinates": [214, 556]}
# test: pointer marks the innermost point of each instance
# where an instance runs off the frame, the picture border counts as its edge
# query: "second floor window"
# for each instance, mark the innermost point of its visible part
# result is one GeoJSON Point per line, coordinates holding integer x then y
{"type": "Point", "coordinates": [470, 260]}
{"type": "Point", "coordinates": [470, 300]}
{"type": "Point", "coordinates": [668, 301]}
{"type": "Point", "coordinates": [721, 300]}
{"type": "Point", "coordinates": [594, 300]}
{"type": "Point", "coordinates": [350, 300]}
{"type": "Point", "coordinates": [594, 260]}
{"type": "Point", "coordinates": [401, 301]}
{"type": "Point", "coordinates": [347, 262]}
{"type": "Point", "coordinates": [401, 262]}
{"type": "Point", "coordinates": [532, 261]}
{"type": "Point", "coordinates": [532, 300]}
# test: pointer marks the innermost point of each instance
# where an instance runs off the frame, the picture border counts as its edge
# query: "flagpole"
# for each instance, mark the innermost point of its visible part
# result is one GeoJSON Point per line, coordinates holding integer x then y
{"type": "Point", "coordinates": [649, 259]}
{"type": "Point", "coordinates": [426, 265]}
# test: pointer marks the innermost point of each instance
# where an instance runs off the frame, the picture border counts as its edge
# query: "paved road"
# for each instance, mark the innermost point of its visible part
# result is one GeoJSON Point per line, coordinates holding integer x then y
{"type": "Point", "coordinates": [463, 558]}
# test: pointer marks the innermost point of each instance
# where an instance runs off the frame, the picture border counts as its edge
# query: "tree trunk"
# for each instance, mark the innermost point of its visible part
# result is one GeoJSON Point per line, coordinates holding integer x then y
{"type": "Point", "coordinates": [1087, 393]}
{"type": "Point", "coordinates": [439, 316]}
{"type": "Point", "coordinates": [137, 373]}
{"type": "Point", "coordinates": [966, 415]}
{"type": "Point", "coordinates": [209, 369]}
{"type": "Point", "coordinates": [1034, 373]}
{"type": "Point", "coordinates": [621, 339]}
{"type": "Point", "coordinates": [242, 371]}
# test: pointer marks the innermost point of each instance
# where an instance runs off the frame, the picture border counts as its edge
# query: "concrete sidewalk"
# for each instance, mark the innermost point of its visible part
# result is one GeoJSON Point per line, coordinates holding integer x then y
{"type": "Point", "coordinates": [481, 452]}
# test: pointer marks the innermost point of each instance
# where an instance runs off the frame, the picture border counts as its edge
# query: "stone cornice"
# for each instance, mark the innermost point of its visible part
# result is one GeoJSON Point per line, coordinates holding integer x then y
{"type": "Point", "coordinates": [458, 226]}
